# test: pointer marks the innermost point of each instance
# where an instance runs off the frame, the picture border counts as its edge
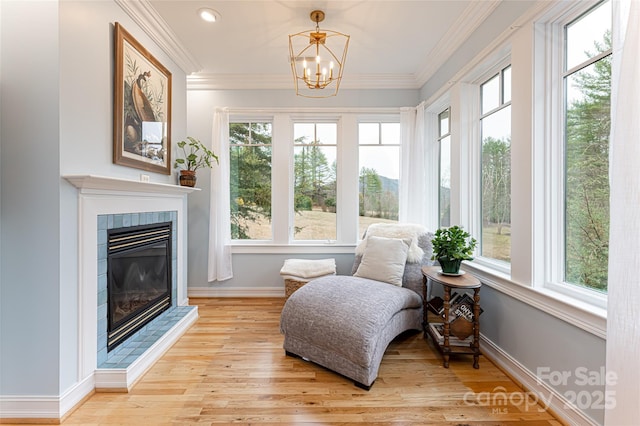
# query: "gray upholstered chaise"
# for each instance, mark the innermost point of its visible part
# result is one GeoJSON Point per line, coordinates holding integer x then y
{"type": "Point", "coordinates": [345, 323]}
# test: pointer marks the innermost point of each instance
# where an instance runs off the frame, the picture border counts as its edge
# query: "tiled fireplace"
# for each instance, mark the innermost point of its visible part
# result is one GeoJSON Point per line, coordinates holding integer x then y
{"type": "Point", "coordinates": [108, 203]}
{"type": "Point", "coordinates": [123, 222]}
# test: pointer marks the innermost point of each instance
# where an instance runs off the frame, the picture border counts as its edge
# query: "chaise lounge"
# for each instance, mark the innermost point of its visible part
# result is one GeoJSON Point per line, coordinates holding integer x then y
{"type": "Point", "coordinates": [345, 323]}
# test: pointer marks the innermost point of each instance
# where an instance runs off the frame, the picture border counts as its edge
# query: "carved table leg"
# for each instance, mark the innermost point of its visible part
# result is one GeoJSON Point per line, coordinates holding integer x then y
{"type": "Point", "coordinates": [476, 327]}
{"type": "Point", "coordinates": [446, 349]}
{"type": "Point", "coordinates": [425, 320]}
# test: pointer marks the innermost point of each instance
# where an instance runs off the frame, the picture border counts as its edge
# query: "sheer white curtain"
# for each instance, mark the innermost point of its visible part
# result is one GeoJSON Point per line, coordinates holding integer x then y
{"type": "Point", "coordinates": [413, 184]}
{"type": "Point", "coordinates": [219, 224]}
{"type": "Point", "coordinates": [623, 327]}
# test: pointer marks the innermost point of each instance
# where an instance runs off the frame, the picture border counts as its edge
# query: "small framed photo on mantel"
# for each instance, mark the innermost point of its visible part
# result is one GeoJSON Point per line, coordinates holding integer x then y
{"type": "Point", "coordinates": [142, 107]}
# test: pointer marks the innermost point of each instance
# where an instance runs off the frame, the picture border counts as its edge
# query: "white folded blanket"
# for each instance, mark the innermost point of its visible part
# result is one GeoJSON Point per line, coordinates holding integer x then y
{"type": "Point", "coordinates": [306, 268]}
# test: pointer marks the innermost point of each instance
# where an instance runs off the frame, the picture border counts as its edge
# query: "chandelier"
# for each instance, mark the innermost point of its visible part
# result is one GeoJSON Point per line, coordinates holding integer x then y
{"type": "Point", "coordinates": [317, 60]}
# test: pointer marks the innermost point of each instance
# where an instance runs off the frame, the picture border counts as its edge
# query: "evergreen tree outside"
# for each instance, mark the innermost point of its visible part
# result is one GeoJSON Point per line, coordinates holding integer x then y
{"type": "Point", "coordinates": [495, 241]}
{"type": "Point", "coordinates": [315, 181]}
{"type": "Point", "coordinates": [370, 193]}
{"type": "Point", "coordinates": [250, 178]}
{"type": "Point", "coordinates": [496, 182]}
{"type": "Point", "coordinates": [378, 195]}
{"type": "Point", "coordinates": [378, 179]}
{"type": "Point", "coordinates": [588, 125]}
{"type": "Point", "coordinates": [314, 178]}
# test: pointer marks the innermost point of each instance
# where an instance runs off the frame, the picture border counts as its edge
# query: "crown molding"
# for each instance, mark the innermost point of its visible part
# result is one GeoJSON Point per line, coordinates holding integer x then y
{"type": "Point", "coordinates": [265, 82]}
{"type": "Point", "coordinates": [150, 21]}
{"type": "Point", "coordinates": [461, 30]}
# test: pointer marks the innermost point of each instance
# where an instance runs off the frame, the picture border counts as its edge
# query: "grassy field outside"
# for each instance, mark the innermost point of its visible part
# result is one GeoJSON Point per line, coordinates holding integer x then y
{"type": "Point", "coordinates": [494, 245]}
{"type": "Point", "coordinates": [318, 225]}
{"type": "Point", "coordinates": [313, 224]}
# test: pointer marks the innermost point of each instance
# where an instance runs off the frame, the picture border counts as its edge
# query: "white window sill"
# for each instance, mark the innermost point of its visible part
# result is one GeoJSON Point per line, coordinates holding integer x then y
{"type": "Point", "coordinates": [302, 248]}
{"type": "Point", "coordinates": [588, 317]}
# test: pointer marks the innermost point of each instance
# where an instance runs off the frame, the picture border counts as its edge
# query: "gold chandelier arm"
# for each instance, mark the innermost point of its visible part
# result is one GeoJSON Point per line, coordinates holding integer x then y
{"type": "Point", "coordinates": [329, 64]}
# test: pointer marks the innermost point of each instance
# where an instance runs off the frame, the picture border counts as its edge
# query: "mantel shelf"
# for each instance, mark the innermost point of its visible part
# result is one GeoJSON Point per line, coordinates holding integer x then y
{"type": "Point", "coordinates": [93, 182]}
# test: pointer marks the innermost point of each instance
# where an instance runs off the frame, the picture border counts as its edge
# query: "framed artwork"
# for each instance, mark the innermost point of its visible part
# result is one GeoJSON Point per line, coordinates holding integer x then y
{"type": "Point", "coordinates": [142, 107]}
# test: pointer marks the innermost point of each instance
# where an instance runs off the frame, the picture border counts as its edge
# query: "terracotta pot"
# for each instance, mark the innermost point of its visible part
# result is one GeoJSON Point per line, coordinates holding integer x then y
{"type": "Point", "coordinates": [187, 178]}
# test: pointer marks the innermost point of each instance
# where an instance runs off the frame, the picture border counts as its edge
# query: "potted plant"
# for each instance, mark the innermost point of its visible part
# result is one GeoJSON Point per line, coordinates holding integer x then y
{"type": "Point", "coordinates": [195, 155]}
{"type": "Point", "coordinates": [451, 246]}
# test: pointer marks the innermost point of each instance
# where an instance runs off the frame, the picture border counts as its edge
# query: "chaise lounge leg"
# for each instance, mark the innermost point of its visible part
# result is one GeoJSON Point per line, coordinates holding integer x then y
{"type": "Point", "coordinates": [291, 354]}
{"type": "Point", "coordinates": [361, 386]}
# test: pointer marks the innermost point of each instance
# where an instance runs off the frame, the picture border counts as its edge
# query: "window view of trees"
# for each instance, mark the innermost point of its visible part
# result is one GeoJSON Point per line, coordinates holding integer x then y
{"type": "Point", "coordinates": [315, 181]}
{"type": "Point", "coordinates": [250, 180]}
{"type": "Point", "coordinates": [496, 166]}
{"type": "Point", "coordinates": [587, 126]}
{"type": "Point", "coordinates": [379, 162]}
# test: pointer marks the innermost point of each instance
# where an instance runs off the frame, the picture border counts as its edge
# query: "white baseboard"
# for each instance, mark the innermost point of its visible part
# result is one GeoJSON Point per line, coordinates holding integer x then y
{"type": "Point", "coordinates": [235, 291]}
{"type": "Point", "coordinates": [56, 407]}
{"type": "Point", "coordinates": [31, 406]}
{"type": "Point", "coordinates": [122, 379]}
{"type": "Point", "coordinates": [557, 403]}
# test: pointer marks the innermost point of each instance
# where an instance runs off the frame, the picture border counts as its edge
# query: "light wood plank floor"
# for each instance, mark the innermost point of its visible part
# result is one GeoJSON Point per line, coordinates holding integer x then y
{"type": "Point", "coordinates": [230, 368]}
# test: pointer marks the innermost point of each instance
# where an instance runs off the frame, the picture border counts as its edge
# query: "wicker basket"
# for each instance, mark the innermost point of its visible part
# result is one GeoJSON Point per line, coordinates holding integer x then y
{"type": "Point", "coordinates": [291, 285]}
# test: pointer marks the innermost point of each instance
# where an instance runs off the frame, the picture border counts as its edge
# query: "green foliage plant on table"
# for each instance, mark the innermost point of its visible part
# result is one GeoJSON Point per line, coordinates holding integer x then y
{"type": "Point", "coordinates": [194, 156]}
{"type": "Point", "coordinates": [451, 246]}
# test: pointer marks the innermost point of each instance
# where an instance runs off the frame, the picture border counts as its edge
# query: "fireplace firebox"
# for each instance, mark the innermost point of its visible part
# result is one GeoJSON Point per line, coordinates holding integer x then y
{"type": "Point", "coordinates": [138, 278]}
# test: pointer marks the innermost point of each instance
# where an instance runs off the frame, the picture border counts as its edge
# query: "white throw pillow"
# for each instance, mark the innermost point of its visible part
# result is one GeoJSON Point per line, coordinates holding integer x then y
{"type": "Point", "coordinates": [384, 260]}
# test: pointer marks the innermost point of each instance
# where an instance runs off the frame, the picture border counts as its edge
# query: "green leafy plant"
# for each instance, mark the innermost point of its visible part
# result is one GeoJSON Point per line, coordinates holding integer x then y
{"type": "Point", "coordinates": [195, 155]}
{"type": "Point", "coordinates": [453, 243]}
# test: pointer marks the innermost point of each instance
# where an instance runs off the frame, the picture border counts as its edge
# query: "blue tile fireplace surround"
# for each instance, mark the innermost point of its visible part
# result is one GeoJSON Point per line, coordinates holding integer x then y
{"type": "Point", "coordinates": [135, 345]}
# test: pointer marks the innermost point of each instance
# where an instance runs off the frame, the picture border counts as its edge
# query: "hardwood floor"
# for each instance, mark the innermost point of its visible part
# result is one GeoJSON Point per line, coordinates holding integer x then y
{"type": "Point", "coordinates": [230, 368]}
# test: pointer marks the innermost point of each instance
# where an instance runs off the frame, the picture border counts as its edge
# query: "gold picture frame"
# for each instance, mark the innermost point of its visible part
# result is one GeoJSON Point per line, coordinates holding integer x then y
{"type": "Point", "coordinates": [142, 107]}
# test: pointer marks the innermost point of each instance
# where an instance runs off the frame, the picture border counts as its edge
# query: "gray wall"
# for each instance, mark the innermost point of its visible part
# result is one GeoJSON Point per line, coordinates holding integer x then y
{"type": "Point", "coordinates": [30, 265]}
{"type": "Point", "coordinates": [538, 340]}
{"type": "Point", "coordinates": [57, 114]}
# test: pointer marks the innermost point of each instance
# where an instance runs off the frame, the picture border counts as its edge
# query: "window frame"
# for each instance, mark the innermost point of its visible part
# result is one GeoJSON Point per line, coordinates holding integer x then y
{"type": "Point", "coordinates": [282, 174]}
{"type": "Point", "coordinates": [291, 234]}
{"type": "Point", "coordinates": [532, 129]}
{"type": "Point", "coordinates": [379, 120]}
{"type": "Point", "coordinates": [498, 264]}
{"type": "Point", "coordinates": [554, 168]}
{"type": "Point", "coordinates": [246, 120]}
{"type": "Point", "coordinates": [475, 169]}
{"type": "Point", "coordinates": [439, 139]}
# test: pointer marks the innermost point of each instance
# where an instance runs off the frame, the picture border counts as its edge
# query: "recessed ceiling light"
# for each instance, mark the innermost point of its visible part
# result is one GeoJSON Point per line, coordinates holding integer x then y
{"type": "Point", "coordinates": [208, 14]}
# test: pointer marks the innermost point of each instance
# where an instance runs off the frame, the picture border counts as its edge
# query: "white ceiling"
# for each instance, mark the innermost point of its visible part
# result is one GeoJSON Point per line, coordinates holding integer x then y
{"type": "Point", "coordinates": [394, 43]}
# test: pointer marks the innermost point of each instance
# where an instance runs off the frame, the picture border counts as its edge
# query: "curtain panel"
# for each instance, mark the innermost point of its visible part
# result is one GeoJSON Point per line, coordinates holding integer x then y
{"type": "Point", "coordinates": [220, 268]}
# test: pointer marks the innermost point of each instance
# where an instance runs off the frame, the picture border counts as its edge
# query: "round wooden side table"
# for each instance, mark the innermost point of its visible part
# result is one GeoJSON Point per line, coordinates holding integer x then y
{"type": "Point", "coordinates": [464, 281]}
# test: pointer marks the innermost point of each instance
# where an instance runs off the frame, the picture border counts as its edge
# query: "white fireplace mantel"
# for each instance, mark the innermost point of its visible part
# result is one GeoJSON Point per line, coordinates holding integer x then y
{"type": "Point", "coordinates": [101, 195]}
{"type": "Point", "coordinates": [94, 182]}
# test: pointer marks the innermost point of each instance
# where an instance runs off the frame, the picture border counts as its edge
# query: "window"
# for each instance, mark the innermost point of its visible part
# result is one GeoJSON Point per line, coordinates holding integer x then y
{"type": "Point", "coordinates": [587, 90]}
{"type": "Point", "coordinates": [250, 180]}
{"type": "Point", "coordinates": [495, 125]}
{"type": "Point", "coordinates": [295, 178]}
{"type": "Point", "coordinates": [379, 173]}
{"type": "Point", "coordinates": [315, 181]}
{"type": "Point", "coordinates": [444, 192]}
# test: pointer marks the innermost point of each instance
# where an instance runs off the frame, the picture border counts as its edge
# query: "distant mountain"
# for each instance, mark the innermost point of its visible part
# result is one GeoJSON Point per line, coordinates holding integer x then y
{"type": "Point", "coordinates": [388, 184]}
